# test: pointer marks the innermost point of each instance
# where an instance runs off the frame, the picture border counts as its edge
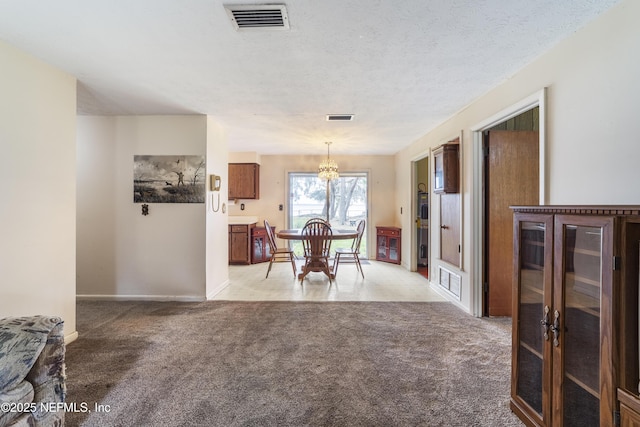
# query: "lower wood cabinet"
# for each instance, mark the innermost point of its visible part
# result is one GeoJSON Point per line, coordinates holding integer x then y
{"type": "Point", "coordinates": [388, 244]}
{"type": "Point", "coordinates": [575, 324]}
{"type": "Point", "coordinates": [240, 243]}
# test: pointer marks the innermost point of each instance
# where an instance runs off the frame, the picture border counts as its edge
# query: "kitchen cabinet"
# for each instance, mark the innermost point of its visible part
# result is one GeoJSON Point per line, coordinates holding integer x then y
{"type": "Point", "coordinates": [388, 244]}
{"type": "Point", "coordinates": [244, 181]}
{"type": "Point", "coordinates": [240, 243]}
{"type": "Point", "coordinates": [570, 290]}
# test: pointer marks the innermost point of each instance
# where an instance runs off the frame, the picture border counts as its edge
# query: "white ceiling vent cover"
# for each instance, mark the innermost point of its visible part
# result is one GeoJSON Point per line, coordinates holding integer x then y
{"type": "Point", "coordinates": [339, 117]}
{"type": "Point", "coordinates": [258, 16]}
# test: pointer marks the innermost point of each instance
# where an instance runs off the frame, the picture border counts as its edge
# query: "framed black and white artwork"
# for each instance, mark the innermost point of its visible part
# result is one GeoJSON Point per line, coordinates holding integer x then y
{"type": "Point", "coordinates": [168, 179]}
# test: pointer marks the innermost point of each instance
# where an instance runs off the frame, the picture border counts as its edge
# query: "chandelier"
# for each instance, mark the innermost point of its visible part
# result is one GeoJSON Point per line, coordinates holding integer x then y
{"type": "Point", "coordinates": [328, 169]}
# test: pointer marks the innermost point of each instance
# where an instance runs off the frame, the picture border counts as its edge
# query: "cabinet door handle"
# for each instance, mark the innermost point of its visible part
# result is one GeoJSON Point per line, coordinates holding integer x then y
{"type": "Point", "coordinates": [444, 227]}
{"type": "Point", "coordinates": [555, 328]}
{"type": "Point", "coordinates": [545, 323]}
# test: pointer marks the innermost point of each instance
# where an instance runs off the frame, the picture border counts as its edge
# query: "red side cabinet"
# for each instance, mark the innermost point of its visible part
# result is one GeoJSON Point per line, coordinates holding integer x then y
{"type": "Point", "coordinates": [260, 251]}
{"type": "Point", "coordinates": [388, 244]}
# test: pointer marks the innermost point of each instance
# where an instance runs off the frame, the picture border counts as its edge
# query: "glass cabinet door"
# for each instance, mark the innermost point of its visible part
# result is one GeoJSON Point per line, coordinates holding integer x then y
{"type": "Point", "coordinates": [258, 249]}
{"type": "Point", "coordinates": [579, 327]}
{"type": "Point", "coordinates": [382, 247]}
{"type": "Point", "coordinates": [393, 248]}
{"type": "Point", "coordinates": [533, 293]}
{"type": "Point", "coordinates": [267, 249]}
{"type": "Point", "coordinates": [438, 177]}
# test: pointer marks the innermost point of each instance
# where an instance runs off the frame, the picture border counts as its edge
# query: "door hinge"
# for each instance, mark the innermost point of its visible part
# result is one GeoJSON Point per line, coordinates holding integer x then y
{"type": "Point", "coordinates": [459, 248]}
{"type": "Point", "coordinates": [485, 150]}
{"type": "Point", "coordinates": [485, 287]}
{"type": "Point", "coordinates": [617, 263]}
{"type": "Point", "coordinates": [616, 418]}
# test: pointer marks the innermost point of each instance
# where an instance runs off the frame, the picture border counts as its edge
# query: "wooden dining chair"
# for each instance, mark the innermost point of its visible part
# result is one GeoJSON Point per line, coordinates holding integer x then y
{"type": "Point", "coordinates": [278, 254]}
{"type": "Point", "coordinates": [316, 243]}
{"type": "Point", "coordinates": [352, 254]}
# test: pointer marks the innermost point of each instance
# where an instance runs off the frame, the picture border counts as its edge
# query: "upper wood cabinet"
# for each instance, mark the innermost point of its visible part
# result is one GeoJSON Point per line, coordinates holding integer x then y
{"type": "Point", "coordinates": [446, 167]}
{"type": "Point", "coordinates": [244, 181]}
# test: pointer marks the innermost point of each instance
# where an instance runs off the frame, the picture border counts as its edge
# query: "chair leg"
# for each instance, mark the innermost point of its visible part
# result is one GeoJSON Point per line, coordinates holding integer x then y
{"type": "Point", "coordinates": [269, 269]}
{"type": "Point", "coordinates": [336, 263]}
{"type": "Point", "coordinates": [293, 264]}
{"type": "Point", "coordinates": [304, 272]}
{"type": "Point", "coordinates": [357, 258]}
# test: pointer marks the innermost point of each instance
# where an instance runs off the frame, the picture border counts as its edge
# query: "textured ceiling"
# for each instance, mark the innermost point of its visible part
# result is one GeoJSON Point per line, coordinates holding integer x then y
{"type": "Point", "coordinates": [401, 66]}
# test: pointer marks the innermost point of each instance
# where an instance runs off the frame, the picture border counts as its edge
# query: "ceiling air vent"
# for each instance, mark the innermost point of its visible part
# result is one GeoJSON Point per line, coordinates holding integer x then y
{"type": "Point", "coordinates": [339, 117]}
{"type": "Point", "coordinates": [258, 16]}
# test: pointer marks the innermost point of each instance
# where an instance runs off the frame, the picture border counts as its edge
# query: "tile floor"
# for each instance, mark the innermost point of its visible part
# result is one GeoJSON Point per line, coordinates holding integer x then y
{"type": "Point", "coordinates": [382, 282]}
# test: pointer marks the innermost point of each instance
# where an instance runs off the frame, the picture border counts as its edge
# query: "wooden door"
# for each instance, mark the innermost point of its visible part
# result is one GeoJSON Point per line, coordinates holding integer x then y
{"type": "Point", "coordinates": [450, 228]}
{"type": "Point", "coordinates": [512, 178]}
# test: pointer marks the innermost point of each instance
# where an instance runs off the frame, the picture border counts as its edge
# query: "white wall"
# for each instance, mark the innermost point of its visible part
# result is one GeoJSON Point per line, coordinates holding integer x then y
{"type": "Point", "coordinates": [122, 253]}
{"type": "Point", "coordinates": [38, 208]}
{"type": "Point", "coordinates": [96, 214]}
{"type": "Point", "coordinates": [217, 253]}
{"type": "Point", "coordinates": [274, 171]}
{"type": "Point", "coordinates": [592, 133]}
{"type": "Point", "coordinates": [244, 157]}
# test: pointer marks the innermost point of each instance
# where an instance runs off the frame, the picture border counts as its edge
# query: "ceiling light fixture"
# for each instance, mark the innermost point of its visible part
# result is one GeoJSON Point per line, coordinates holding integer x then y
{"type": "Point", "coordinates": [328, 169]}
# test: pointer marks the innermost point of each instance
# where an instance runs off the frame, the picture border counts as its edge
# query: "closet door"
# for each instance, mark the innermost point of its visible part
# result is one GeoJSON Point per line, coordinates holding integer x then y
{"type": "Point", "coordinates": [450, 228]}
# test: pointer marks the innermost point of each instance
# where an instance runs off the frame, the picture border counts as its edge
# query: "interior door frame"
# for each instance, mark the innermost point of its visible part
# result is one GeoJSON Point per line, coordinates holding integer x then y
{"type": "Point", "coordinates": [537, 99]}
{"type": "Point", "coordinates": [413, 239]}
{"type": "Point", "coordinates": [461, 178]}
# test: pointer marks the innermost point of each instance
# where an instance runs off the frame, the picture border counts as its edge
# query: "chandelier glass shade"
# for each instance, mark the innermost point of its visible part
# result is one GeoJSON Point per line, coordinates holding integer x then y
{"type": "Point", "coordinates": [328, 169]}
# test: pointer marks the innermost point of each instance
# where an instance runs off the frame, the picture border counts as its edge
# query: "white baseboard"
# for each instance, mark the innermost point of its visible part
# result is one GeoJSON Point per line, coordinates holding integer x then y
{"type": "Point", "coordinates": [448, 296]}
{"type": "Point", "coordinates": [218, 289]}
{"type": "Point", "coordinates": [71, 337]}
{"type": "Point", "coordinates": [180, 298]}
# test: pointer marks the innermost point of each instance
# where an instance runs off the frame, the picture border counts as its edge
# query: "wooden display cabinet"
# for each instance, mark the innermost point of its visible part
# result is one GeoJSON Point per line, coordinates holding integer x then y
{"type": "Point", "coordinates": [446, 169]}
{"type": "Point", "coordinates": [629, 379]}
{"type": "Point", "coordinates": [570, 316]}
{"type": "Point", "coordinates": [244, 181]}
{"type": "Point", "coordinates": [388, 244]}
{"type": "Point", "coordinates": [260, 250]}
{"type": "Point", "coordinates": [629, 409]}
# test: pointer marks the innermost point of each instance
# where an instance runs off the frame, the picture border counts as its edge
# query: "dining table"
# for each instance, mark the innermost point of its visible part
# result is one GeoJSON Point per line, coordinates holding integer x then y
{"type": "Point", "coordinates": [337, 234]}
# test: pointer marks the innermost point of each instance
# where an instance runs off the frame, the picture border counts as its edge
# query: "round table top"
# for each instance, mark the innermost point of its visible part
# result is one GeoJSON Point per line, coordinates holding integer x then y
{"type": "Point", "coordinates": [296, 234]}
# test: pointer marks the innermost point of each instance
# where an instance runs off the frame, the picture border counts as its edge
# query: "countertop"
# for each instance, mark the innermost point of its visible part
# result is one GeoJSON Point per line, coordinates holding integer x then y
{"type": "Point", "coordinates": [242, 220]}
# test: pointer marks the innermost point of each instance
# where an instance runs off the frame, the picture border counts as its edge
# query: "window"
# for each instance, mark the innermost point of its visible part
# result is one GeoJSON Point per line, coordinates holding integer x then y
{"type": "Point", "coordinates": [347, 202]}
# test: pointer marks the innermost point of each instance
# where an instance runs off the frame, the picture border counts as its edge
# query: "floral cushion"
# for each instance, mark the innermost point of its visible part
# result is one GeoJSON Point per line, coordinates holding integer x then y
{"type": "Point", "coordinates": [20, 397]}
{"type": "Point", "coordinates": [31, 369]}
